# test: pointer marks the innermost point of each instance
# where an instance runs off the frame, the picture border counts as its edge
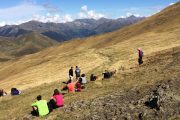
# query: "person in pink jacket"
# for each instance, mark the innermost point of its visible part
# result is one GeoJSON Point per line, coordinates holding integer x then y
{"type": "Point", "coordinates": [57, 99]}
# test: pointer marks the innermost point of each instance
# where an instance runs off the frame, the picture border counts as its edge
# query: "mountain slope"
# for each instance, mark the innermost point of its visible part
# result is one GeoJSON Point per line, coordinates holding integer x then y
{"type": "Point", "coordinates": [122, 97]}
{"type": "Point", "coordinates": [114, 50]}
{"type": "Point", "coordinates": [23, 45]}
{"type": "Point", "coordinates": [66, 31]}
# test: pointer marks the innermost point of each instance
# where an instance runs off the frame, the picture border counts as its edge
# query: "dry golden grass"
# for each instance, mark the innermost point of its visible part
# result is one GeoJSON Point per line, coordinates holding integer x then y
{"type": "Point", "coordinates": [113, 50]}
{"type": "Point", "coordinates": [142, 76]}
{"type": "Point", "coordinates": [116, 50]}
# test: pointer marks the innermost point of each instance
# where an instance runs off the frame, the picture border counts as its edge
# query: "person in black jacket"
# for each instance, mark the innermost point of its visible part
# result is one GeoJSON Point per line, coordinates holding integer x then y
{"type": "Point", "coordinates": [140, 54]}
{"type": "Point", "coordinates": [71, 73]}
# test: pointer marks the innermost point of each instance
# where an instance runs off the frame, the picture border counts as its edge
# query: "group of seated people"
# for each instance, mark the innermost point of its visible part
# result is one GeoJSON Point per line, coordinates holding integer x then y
{"type": "Point", "coordinates": [75, 86]}
{"type": "Point", "coordinates": [14, 91]}
{"type": "Point", "coordinates": [42, 107]}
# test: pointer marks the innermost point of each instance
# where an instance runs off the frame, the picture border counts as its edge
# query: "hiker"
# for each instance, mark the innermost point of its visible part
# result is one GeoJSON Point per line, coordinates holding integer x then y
{"type": "Point", "coordinates": [57, 99]}
{"type": "Point", "coordinates": [80, 80]}
{"type": "Point", "coordinates": [140, 54]}
{"type": "Point", "coordinates": [112, 72]}
{"type": "Point", "coordinates": [106, 74]}
{"type": "Point", "coordinates": [2, 92]}
{"type": "Point", "coordinates": [78, 86]}
{"type": "Point", "coordinates": [83, 77]}
{"type": "Point", "coordinates": [77, 72]}
{"type": "Point", "coordinates": [40, 108]}
{"type": "Point", "coordinates": [15, 91]}
{"type": "Point", "coordinates": [71, 86]}
{"type": "Point", "coordinates": [71, 73]}
{"type": "Point", "coordinates": [93, 77]}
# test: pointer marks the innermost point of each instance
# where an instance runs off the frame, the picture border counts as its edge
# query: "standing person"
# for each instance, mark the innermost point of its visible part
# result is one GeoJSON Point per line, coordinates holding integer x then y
{"type": "Point", "coordinates": [140, 54]}
{"type": "Point", "coordinates": [40, 108]}
{"type": "Point", "coordinates": [77, 72]}
{"type": "Point", "coordinates": [71, 73]}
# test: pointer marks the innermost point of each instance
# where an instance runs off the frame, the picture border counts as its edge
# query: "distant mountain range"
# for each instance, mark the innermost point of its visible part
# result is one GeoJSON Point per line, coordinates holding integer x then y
{"type": "Point", "coordinates": [79, 28]}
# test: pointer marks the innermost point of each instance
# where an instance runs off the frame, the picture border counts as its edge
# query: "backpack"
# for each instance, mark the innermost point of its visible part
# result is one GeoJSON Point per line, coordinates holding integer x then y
{"type": "Point", "coordinates": [77, 71]}
{"type": "Point", "coordinates": [141, 53]}
{"type": "Point", "coordinates": [14, 91]}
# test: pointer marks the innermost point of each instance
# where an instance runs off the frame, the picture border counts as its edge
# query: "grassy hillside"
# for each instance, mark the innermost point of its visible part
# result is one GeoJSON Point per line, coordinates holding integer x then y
{"type": "Point", "coordinates": [103, 98]}
{"type": "Point", "coordinates": [23, 45]}
{"type": "Point", "coordinates": [112, 50]}
{"type": "Point", "coordinates": [158, 36]}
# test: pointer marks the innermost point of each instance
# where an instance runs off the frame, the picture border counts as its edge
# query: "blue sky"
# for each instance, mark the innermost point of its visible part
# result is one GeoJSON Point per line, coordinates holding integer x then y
{"type": "Point", "coordinates": [19, 11]}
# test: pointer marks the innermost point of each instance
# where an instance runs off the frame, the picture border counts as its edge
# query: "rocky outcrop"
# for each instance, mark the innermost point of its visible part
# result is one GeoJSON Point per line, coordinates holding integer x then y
{"type": "Point", "coordinates": [158, 102]}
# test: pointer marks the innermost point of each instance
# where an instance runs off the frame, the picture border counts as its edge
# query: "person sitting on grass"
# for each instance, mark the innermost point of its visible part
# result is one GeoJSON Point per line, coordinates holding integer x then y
{"type": "Point", "coordinates": [83, 77]}
{"type": "Point", "coordinates": [15, 91]}
{"type": "Point", "coordinates": [40, 108]}
{"type": "Point", "coordinates": [57, 99]}
{"type": "Point", "coordinates": [72, 86]}
{"type": "Point", "coordinates": [69, 81]}
{"type": "Point", "coordinates": [2, 92]}
{"type": "Point", "coordinates": [108, 74]}
{"type": "Point", "coordinates": [93, 77]}
{"type": "Point", "coordinates": [78, 86]}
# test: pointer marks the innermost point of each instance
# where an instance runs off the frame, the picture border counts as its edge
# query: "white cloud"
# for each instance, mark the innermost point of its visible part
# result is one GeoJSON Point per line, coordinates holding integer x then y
{"type": "Point", "coordinates": [85, 13]}
{"type": "Point", "coordinates": [2, 23]}
{"type": "Point", "coordinates": [53, 18]}
{"type": "Point", "coordinates": [171, 4]}
{"type": "Point", "coordinates": [27, 11]}
{"type": "Point", "coordinates": [84, 8]}
{"type": "Point", "coordinates": [128, 14]}
{"type": "Point", "coordinates": [19, 11]}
